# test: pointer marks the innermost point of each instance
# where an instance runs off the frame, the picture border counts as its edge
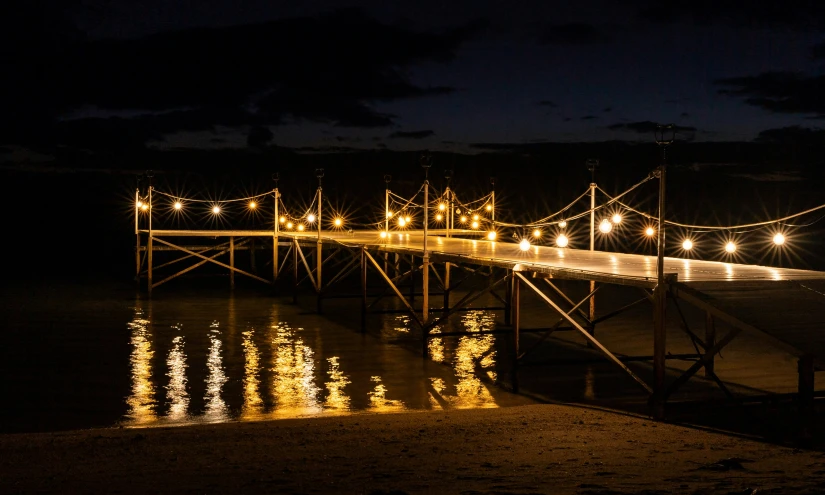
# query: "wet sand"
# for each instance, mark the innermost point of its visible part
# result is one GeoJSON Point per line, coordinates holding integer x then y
{"type": "Point", "coordinates": [516, 450]}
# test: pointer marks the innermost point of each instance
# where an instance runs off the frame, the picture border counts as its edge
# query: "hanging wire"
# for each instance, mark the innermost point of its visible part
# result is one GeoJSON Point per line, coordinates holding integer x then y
{"type": "Point", "coordinates": [211, 201]}
{"type": "Point", "coordinates": [548, 217]}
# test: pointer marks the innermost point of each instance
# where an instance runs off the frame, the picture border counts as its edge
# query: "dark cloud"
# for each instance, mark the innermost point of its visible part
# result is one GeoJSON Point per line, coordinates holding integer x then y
{"type": "Point", "coordinates": [259, 136]}
{"type": "Point", "coordinates": [607, 109]}
{"type": "Point", "coordinates": [775, 14]}
{"type": "Point", "coordinates": [412, 134]}
{"type": "Point", "coordinates": [567, 119]}
{"type": "Point", "coordinates": [792, 135]}
{"type": "Point", "coordinates": [779, 92]}
{"type": "Point", "coordinates": [684, 115]}
{"type": "Point", "coordinates": [546, 103]}
{"type": "Point", "coordinates": [818, 51]}
{"type": "Point", "coordinates": [196, 79]}
{"type": "Point", "coordinates": [647, 127]}
{"type": "Point", "coordinates": [571, 34]}
{"type": "Point", "coordinates": [589, 117]}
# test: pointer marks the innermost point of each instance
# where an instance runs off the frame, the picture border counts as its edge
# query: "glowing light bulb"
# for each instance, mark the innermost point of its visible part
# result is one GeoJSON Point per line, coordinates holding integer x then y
{"type": "Point", "coordinates": [524, 245]}
{"type": "Point", "coordinates": [301, 227]}
{"type": "Point", "coordinates": [474, 225]}
{"type": "Point", "coordinates": [144, 207]}
{"type": "Point", "coordinates": [289, 225]}
{"type": "Point", "coordinates": [282, 219]}
{"type": "Point", "coordinates": [537, 233]}
{"type": "Point", "coordinates": [402, 222]}
{"type": "Point", "coordinates": [389, 214]}
{"type": "Point", "coordinates": [562, 224]}
{"type": "Point", "coordinates": [442, 207]}
{"type": "Point", "coordinates": [438, 217]}
{"type": "Point", "coordinates": [139, 204]}
{"type": "Point", "coordinates": [383, 234]}
{"type": "Point", "coordinates": [605, 227]}
{"type": "Point", "coordinates": [491, 235]}
{"type": "Point", "coordinates": [310, 218]}
{"type": "Point", "coordinates": [562, 241]}
{"type": "Point", "coordinates": [216, 209]}
{"type": "Point", "coordinates": [407, 219]}
{"type": "Point", "coordinates": [779, 239]}
{"type": "Point", "coordinates": [178, 205]}
{"type": "Point", "coordinates": [475, 217]}
{"type": "Point", "coordinates": [457, 211]}
{"type": "Point", "coordinates": [253, 205]}
{"type": "Point", "coordinates": [337, 222]}
{"type": "Point", "coordinates": [687, 245]}
{"type": "Point", "coordinates": [649, 231]}
{"type": "Point", "coordinates": [489, 208]}
{"type": "Point", "coordinates": [730, 247]}
{"type": "Point", "coordinates": [617, 218]}
{"type": "Point", "coordinates": [463, 219]}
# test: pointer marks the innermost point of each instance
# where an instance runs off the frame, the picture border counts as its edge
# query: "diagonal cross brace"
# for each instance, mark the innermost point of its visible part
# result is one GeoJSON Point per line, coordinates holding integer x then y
{"type": "Point", "coordinates": [394, 288]}
{"type": "Point", "coordinates": [190, 268]}
{"type": "Point", "coordinates": [306, 265]}
{"type": "Point", "coordinates": [584, 332]}
{"type": "Point", "coordinates": [242, 272]}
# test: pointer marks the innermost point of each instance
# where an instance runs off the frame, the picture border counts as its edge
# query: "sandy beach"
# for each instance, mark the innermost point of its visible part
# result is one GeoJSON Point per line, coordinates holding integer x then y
{"type": "Point", "coordinates": [517, 450]}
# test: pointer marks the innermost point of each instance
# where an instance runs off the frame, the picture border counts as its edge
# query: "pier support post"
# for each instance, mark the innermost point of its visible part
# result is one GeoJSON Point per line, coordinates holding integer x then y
{"type": "Point", "coordinates": [446, 287]}
{"type": "Point", "coordinates": [276, 227]}
{"type": "Point", "coordinates": [508, 296]}
{"type": "Point", "coordinates": [710, 341]}
{"type": "Point", "coordinates": [805, 367]}
{"type": "Point", "coordinates": [364, 289]}
{"type": "Point", "coordinates": [137, 260]}
{"type": "Point", "coordinates": [516, 305]}
{"type": "Point", "coordinates": [232, 262]}
{"type": "Point", "coordinates": [295, 271]}
{"type": "Point", "coordinates": [149, 264]}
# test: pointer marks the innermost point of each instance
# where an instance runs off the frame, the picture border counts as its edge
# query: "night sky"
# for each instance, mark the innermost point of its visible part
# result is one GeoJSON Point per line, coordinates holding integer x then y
{"type": "Point", "coordinates": [452, 76]}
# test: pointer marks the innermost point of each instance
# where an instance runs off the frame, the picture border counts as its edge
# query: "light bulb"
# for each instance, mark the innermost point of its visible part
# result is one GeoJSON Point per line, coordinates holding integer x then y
{"type": "Point", "coordinates": [310, 218]}
{"type": "Point", "coordinates": [407, 219]}
{"type": "Point", "coordinates": [474, 225]}
{"type": "Point", "coordinates": [524, 245]}
{"type": "Point", "coordinates": [649, 231]}
{"type": "Point", "coordinates": [491, 235]}
{"type": "Point", "coordinates": [730, 247]}
{"type": "Point", "coordinates": [562, 224]}
{"type": "Point", "coordinates": [617, 218]}
{"type": "Point", "coordinates": [178, 205]}
{"type": "Point", "coordinates": [216, 209]}
{"type": "Point", "coordinates": [383, 234]}
{"type": "Point", "coordinates": [687, 245]}
{"type": "Point", "coordinates": [457, 211]}
{"type": "Point", "coordinates": [389, 214]}
{"type": "Point", "coordinates": [463, 219]}
{"type": "Point", "coordinates": [779, 239]}
{"type": "Point", "coordinates": [253, 205]}
{"type": "Point", "coordinates": [475, 217]}
{"type": "Point", "coordinates": [289, 225]}
{"type": "Point", "coordinates": [442, 207]}
{"type": "Point", "coordinates": [144, 207]}
{"type": "Point", "coordinates": [301, 227]}
{"type": "Point", "coordinates": [402, 222]}
{"type": "Point", "coordinates": [562, 241]}
{"type": "Point", "coordinates": [337, 222]}
{"type": "Point", "coordinates": [489, 208]}
{"type": "Point", "coordinates": [605, 227]}
{"type": "Point", "coordinates": [537, 233]}
{"type": "Point", "coordinates": [282, 219]}
{"type": "Point", "coordinates": [438, 217]}
{"type": "Point", "coordinates": [139, 204]}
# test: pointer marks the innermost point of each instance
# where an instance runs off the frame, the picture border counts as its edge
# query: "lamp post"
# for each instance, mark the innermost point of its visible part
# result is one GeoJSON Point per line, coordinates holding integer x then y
{"type": "Point", "coordinates": [276, 230]}
{"type": "Point", "coordinates": [320, 260]}
{"type": "Point", "coordinates": [426, 163]}
{"type": "Point", "coordinates": [591, 166]}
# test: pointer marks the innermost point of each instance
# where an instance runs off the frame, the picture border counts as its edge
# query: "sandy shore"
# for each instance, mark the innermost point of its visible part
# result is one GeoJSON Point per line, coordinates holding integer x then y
{"type": "Point", "coordinates": [519, 450]}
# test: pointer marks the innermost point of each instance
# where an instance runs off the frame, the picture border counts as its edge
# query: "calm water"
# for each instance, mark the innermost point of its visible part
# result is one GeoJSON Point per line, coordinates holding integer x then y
{"type": "Point", "coordinates": [77, 356]}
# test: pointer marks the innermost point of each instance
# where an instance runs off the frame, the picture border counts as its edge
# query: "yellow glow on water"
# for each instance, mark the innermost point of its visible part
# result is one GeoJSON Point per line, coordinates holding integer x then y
{"type": "Point", "coordinates": [141, 401]}
{"type": "Point", "coordinates": [293, 385]}
{"type": "Point", "coordinates": [215, 407]}
{"type": "Point", "coordinates": [176, 392]}
{"type": "Point", "coordinates": [252, 401]}
{"type": "Point", "coordinates": [337, 399]}
{"type": "Point", "coordinates": [378, 398]}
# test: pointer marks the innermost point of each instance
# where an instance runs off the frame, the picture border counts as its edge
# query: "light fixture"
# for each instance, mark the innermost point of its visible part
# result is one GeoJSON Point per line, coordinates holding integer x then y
{"type": "Point", "coordinates": [389, 214]}
{"type": "Point", "coordinates": [383, 234]}
{"type": "Point", "coordinates": [289, 225]}
{"type": "Point", "coordinates": [489, 207]}
{"type": "Point", "coordinates": [524, 245]}
{"type": "Point", "coordinates": [402, 222]}
{"type": "Point", "coordinates": [491, 235]}
{"type": "Point", "coordinates": [310, 218]}
{"type": "Point", "coordinates": [253, 205]}
{"type": "Point", "coordinates": [301, 227]}
{"type": "Point", "coordinates": [216, 209]}
{"type": "Point", "coordinates": [474, 225]}
{"type": "Point", "coordinates": [337, 222]}
{"type": "Point", "coordinates": [438, 217]}
{"type": "Point", "coordinates": [779, 239]}
{"type": "Point", "coordinates": [144, 207]}
{"type": "Point", "coordinates": [178, 205]}
{"type": "Point", "coordinates": [282, 219]}
{"type": "Point", "coordinates": [562, 241]}
{"type": "Point", "coordinates": [463, 219]}
{"type": "Point", "coordinates": [687, 245]}
{"type": "Point", "coordinates": [475, 217]}
{"type": "Point", "coordinates": [605, 227]}
{"type": "Point", "coordinates": [617, 218]}
{"type": "Point", "coordinates": [537, 233]}
{"type": "Point", "coordinates": [457, 211]}
{"type": "Point", "coordinates": [442, 207]}
{"type": "Point", "coordinates": [407, 218]}
{"type": "Point", "coordinates": [650, 231]}
{"type": "Point", "coordinates": [562, 224]}
{"type": "Point", "coordinates": [139, 204]}
{"type": "Point", "coordinates": [730, 247]}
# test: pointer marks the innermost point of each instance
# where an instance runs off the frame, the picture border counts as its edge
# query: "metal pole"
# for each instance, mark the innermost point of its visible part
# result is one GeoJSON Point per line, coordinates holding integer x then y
{"type": "Point", "coordinates": [493, 204]}
{"type": "Point", "coordinates": [320, 260]}
{"type": "Point", "coordinates": [137, 238]}
{"type": "Point", "coordinates": [516, 324]}
{"type": "Point", "coordinates": [592, 248]}
{"type": "Point", "coordinates": [425, 290]}
{"type": "Point", "coordinates": [295, 270]}
{"type": "Point", "coordinates": [386, 218]}
{"type": "Point", "coordinates": [660, 292]}
{"type": "Point", "coordinates": [231, 262]}
{"type": "Point", "coordinates": [363, 289]}
{"type": "Point", "coordinates": [149, 245]}
{"type": "Point", "coordinates": [277, 228]}
{"type": "Point", "coordinates": [710, 341]}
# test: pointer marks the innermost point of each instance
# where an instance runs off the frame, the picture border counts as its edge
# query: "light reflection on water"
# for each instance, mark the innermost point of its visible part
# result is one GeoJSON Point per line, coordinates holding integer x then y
{"type": "Point", "coordinates": [284, 371]}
